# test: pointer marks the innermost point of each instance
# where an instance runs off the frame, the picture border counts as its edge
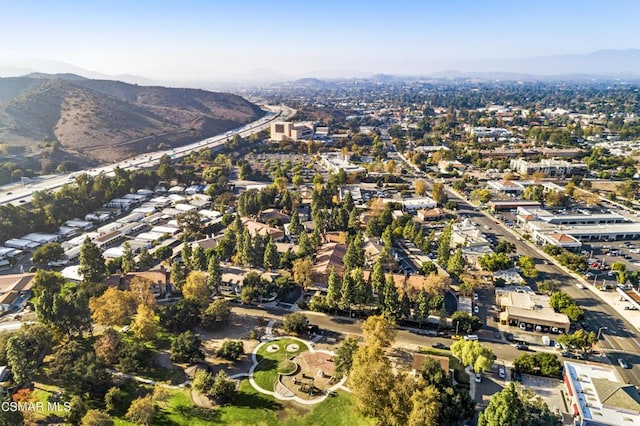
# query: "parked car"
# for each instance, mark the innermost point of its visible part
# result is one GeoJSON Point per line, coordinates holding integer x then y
{"type": "Point", "coordinates": [476, 309]}
{"type": "Point", "coordinates": [501, 372]}
{"type": "Point", "coordinates": [439, 346]}
{"type": "Point", "coordinates": [475, 296]}
{"type": "Point", "coordinates": [570, 355]}
{"type": "Point", "coordinates": [478, 378]}
{"type": "Point", "coordinates": [623, 363]}
{"type": "Point", "coordinates": [522, 347]}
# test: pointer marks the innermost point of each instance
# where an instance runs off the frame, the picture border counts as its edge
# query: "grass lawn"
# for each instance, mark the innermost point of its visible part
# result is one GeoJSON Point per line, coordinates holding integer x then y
{"type": "Point", "coordinates": [44, 393]}
{"type": "Point", "coordinates": [266, 373]}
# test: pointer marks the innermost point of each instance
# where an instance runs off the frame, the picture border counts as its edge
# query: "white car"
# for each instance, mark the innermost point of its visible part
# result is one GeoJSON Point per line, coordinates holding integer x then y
{"type": "Point", "coordinates": [478, 377]}
{"type": "Point", "coordinates": [475, 296]}
{"type": "Point", "coordinates": [501, 372]}
{"type": "Point", "coordinates": [476, 309]}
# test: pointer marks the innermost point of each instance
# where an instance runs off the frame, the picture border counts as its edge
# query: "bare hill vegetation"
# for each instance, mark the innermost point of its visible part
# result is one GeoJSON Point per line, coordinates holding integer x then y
{"type": "Point", "coordinates": [109, 120]}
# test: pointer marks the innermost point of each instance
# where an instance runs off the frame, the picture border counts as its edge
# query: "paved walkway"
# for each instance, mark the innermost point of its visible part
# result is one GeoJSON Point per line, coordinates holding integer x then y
{"type": "Point", "coordinates": [280, 393]}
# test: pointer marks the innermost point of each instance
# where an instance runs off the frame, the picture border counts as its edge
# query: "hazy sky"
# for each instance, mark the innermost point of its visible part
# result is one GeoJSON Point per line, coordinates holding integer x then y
{"type": "Point", "coordinates": [204, 40]}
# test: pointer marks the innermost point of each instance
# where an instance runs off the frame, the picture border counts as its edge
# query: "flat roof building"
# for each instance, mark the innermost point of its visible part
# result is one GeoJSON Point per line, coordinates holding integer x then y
{"type": "Point", "coordinates": [522, 307]}
{"type": "Point", "coordinates": [548, 167]}
{"type": "Point", "coordinates": [599, 397]}
{"type": "Point", "coordinates": [335, 162]}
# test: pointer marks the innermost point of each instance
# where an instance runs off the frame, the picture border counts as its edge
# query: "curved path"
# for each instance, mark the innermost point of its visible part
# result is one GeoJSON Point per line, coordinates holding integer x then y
{"type": "Point", "coordinates": [290, 396]}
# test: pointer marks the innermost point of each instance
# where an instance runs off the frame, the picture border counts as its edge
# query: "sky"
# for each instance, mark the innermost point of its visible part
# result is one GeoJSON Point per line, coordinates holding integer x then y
{"type": "Point", "coordinates": [241, 39]}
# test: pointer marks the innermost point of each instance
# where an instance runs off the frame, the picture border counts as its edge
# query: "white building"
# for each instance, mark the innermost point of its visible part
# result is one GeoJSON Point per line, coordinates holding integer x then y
{"type": "Point", "coordinates": [335, 162]}
{"type": "Point", "coordinates": [599, 397]}
{"type": "Point", "coordinates": [549, 167]}
{"type": "Point", "coordinates": [412, 205]}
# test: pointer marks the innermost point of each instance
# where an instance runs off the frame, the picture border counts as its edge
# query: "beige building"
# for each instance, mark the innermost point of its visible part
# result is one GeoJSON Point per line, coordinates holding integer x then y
{"type": "Point", "coordinates": [287, 131]}
{"type": "Point", "coordinates": [522, 307]}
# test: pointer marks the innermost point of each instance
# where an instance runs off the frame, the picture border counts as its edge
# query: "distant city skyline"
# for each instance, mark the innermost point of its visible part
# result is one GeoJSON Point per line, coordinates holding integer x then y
{"type": "Point", "coordinates": [242, 40]}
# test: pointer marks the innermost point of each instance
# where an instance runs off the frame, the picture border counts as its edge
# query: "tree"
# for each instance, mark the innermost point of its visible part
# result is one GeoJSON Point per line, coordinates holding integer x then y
{"type": "Point", "coordinates": [436, 284]}
{"type": "Point", "coordinates": [302, 272]}
{"type": "Point", "coordinates": [295, 227]}
{"type": "Point", "coordinates": [48, 252]}
{"type": "Point", "coordinates": [180, 316]}
{"type": "Point", "coordinates": [25, 349]}
{"type": "Point", "coordinates": [133, 356]}
{"type": "Point", "coordinates": [96, 418]}
{"type": "Point", "coordinates": [548, 286]}
{"type": "Point", "coordinates": [505, 409]}
{"type": "Point", "coordinates": [420, 187]}
{"type": "Point", "coordinates": [107, 346]}
{"type": "Point", "coordinates": [145, 260]}
{"type": "Point", "coordinates": [433, 374]}
{"type": "Point", "coordinates": [9, 417]}
{"type": "Point", "coordinates": [223, 387]}
{"type": "Point", "coordinates": [271, 257]}
{"type": "Point", "coordinates": [390, 302]}
{"type": "Point", "coordinates": [455, 265]}
{"type": "Point", "coordinates": [371, 378]}
{"type": "Point", "coordinates": [92, 266]}
{"type": "Point", "coordinates": [163, 253]}
{"type": "Point", "coordinates": [425, 407]}
{"type": "Point", "coordinates": [379, 331]}
{"type": "Point", "coordinates": [543, 363]}
{"type": "Point", "coordinates": [214, 274]}
{"type": "Point", "coordinates": [186, 254]}
{"type": "Point", "coordinates": [495, 262]}
{"type": "Point", "coordinates": [506, 247]}
{"type": "Point", "coordinates": [333, 289]}
{"type": "Point", "coordinates": [191, 225]}
{"type": "Point", "coordinates": [344, 355]}
{"type": "Point", "coordinates": [295, 323]}
{"type": "Point", "coordinates": [198, 259]}
{"type": "Point", "coordinates": [196, 288]}
{"type": "Point", "coordinates": [65, 313]}
{"type": "Point", "coordinates": [472, 353]}
{"type": "Point", "coordinates": [580, 339]}
{"type": "Point", "coordinates": [354, 256]}
{"type": "Point", "coordinates": [421, 311]}
{"type": "Point", "coordinates": [528, 267]}
{"type": "Point", "coordinates": [186, 347]}
{"type": "Point", "coordinates": [218, 311]}
{"type": "Point", "coordinates": [142, 410]}
{"type": "Point", "coordinates": [444, 244]}
{"type": "Point", "coordinates": [77, 409]}
{"type": "Point", "coordinates": [438, 194]}
{"type": "Point", "coordinates": [145, 326]}
{"type": "Point", "coordinates": [114, 307]}
{"type": "Point", "coordinates": [202, 381]}
{"type": "Point", "coordinates": [140, 291]}
{"type": "Point", "coordinates": [128, 262]}
{"type": "Point", "coordinates": [465, 323]}
{"type": "Point", "coordinates": [47, 280]}
{"type": "Point", "coordinates": [347, 291]}
{"type": "Point", "coordinates": [231, 349]}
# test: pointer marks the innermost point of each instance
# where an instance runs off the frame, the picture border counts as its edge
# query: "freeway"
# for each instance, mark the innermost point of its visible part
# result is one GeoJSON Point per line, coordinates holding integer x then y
{"type": "Point", "coordinates": [618, 337]}
{"type": "Point", "coordinates": [23, 194]}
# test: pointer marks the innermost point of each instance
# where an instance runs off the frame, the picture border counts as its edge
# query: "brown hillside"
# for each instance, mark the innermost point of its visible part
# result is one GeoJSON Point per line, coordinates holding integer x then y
{"type": "Point", "coordinates": [109, 120]}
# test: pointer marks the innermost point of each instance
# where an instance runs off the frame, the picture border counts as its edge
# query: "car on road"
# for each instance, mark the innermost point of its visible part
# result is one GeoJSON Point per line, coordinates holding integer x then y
{"type": "Point", "coordinates": [623, 363]}
{"type": "Point", "coordinates": [522, 347]}
{"type": "Point", "coordinates": [501, 372]}
{"type": "Point", "coordinates": [580, 286]}
{"type": "Point", "coordinates": [558, 345]}
{"type": "Point", "coordinates": [475, 296]}
{"type": "Point", "coordinates": [476, 309]}
{"type": "Point", "coordinates": [439, 346]}
{"type": "Point", "coordinates": [570, 355]}
{"type": "Point", "coordinates": [478, 377]}
{"type": "Point", "coordinates": [494, 307]}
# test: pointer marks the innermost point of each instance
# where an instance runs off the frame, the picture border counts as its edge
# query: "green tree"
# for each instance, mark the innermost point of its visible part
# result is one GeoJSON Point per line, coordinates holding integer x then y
{"type": "Point", "coordinates": [145, 326]}
{"type": "Point", "coordinates": [438, 194]}
{"type": "Point", "coordinates": [295, 323]}
{"type": "Point", "coordinates": [379, 330]}
{"type": "Point", "coordinates": [231, 349]}
{"type": "Point", "coordinates": [9, 417]}
{"type": "Point", "coordinates": [271, 257]}
{"type": "Point", "coordinates": [580, 339]}
{"type": "Point", "coordinates": [114, 399]}
{"type": "Point", "coordinates": [504, 409]}
{"type": "Point", "coordinates": [217, 312]}
{"type": "Point", "coordinates": [444, 244]}
{"type": "Point", "coordinates": [92, 266]}
{"type": "Point", "coordinates": [528, 267]}
{"type": "Point", "coordinates": [465, 323]}
{"type": "Point", "coordinates": [422, 306]}
{"type": "Point", "coordinates": [390, 300]}
{"type": "Point", "coordinates": [472, 353]}
{"type": "Point", "coordinates": [196, 288]}
{"type": "Point", "coordinates": [96, 418]}
{"type": "Point", "coordinates": [377, 277]}
{"type": "Point", "coordinates": [347, 291]}
{"type": "Point", "coordinates": [295, 227]}
{"type": "Point", "coordinates": [303, 272]}
{"type": "Point", "coordinates": [344, 355]}
{"type": "Point", "coordinates": [214, 274]}
{"type": "Point", "coordinates": [142, 410]}
{"type": "Point", "coordinates": [48, 252]}
{"type": "Point", "coordinates": [25, 350]}
{"type": "Point", "coordinates": [354, 256]}
{"type": "Point", "coordinates": [77, 409]}
{"type": "Point", "coordinates": [163, 253]}
{"type": "Point", "coordinates": [371, 378]}
{"type": "Point", "coordinates": [333, 289]}
{"type": "Point", "coordinates": [178, 276]}
{"type": "Point", "coordinates": [223, 387]}
{"type": "Point", "coordinates": [186, 347]}
{"type": "Point", "coordinates": [455, 265]}
{"type": "Point", "coordinates": [65, 313]}
{"type": "Point", "coordinates": [186, 254]}
{"type": "Point", "coordinates": [128, 262]}
{"type": "Point", "coordinates": [425, 407]}
{"type": "Point", "coordinates": [145, 260]}
{"type": "Point", "coordinates": [198, 259]}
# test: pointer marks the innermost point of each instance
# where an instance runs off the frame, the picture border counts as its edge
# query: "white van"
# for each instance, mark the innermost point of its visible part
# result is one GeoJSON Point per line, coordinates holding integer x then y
{"type": "Point", "coordinates": [471, 337]}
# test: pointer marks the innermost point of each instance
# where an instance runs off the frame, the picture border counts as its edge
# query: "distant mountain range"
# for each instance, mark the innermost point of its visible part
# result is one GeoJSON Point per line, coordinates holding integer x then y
{"type": "Point", "coordinates": [107, 120]}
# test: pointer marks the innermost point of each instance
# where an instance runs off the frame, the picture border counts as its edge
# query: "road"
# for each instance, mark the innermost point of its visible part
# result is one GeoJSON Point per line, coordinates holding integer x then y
{"type": "Point", "coordinates": [23, 194]}
{"type": "Point", "coordinates": [619, 340]}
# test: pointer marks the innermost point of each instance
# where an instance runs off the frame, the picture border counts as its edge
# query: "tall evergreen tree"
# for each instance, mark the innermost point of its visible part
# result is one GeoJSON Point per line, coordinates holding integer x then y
{"type": "Point", "coordinates": [347, 201]}
{"type": "Point", "coordinates": [444, 243]}
{"type": "Point", "coordinates": [128, 262]}
{"type": "Point", "coordinates": [214, 276]}
{"type": "Point", "coordinates": [198, 258]}
{"type": "Point", "coordinates": [305, 248]}
{"type": "Point", "coordinates": [347, 292]}
{"type": "Point", "coordinates": [377, 277]}
{"type": "Point", "coordinates": [455, 265]}
{"type": "Point", "coordinates": [246, 255]}
{"type": "Point", "coordinates": [186, 254]}
{"type": "Point", "coordinates": [178, 277]}
{"type": "Point", "coordinates": [145, 260]}
{"type": "Point", "coordinates": [271, 256]}
{"type": "Point", "coordinates": [354, 257]}
{"type": "Point", "coordinates": [295, 227]}
{"type": "Point", "coordinates": [422, 306]}
{"type": "Point", "coordinates": [354, 220]}
{"type": "Point", "coordinates": [405, 306]}
{"type": "Point", "coordinates": [333, 289]}
{"type": "Point", "coordinates": [92, 266]}
{"type": "Point", "coordinates": [390, 298]}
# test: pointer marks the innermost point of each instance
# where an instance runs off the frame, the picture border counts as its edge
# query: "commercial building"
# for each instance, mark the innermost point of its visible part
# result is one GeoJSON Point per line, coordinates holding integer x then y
{"type": "Point", "coordinates": [522, 307]}
{"type": "Point", "coordinates": [287, 130]}
{"type": "Point", "coordinates": [599, 397]}
{"type": "Point", "coordinates": [412, 205]}
{"type": "Point", "coordinates": [499, 205]}
{"type": "Point", "coordinates": [549, 167]}
{"type": "Point", "coordinates": [336, 162]}
{"type": "Point", "coordinates": [466, 234]}
{"type": "Point", "coordinates": [489, 132]}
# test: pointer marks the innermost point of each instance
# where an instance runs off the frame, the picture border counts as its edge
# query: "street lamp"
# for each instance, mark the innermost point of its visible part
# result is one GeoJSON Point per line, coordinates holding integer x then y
{"type": "Point", "coordinates": [600, 332]}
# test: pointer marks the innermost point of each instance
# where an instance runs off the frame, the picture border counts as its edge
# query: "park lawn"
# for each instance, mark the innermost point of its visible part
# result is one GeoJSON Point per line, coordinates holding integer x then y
{"type": "Point", "coordinates": [250, 407]}
{"type": "Point", "coordinates": [43, 393]}
{"type": "Point", "coordinates": [334, 411]}
{"type": "Point", "coordinates": [266, 373]}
